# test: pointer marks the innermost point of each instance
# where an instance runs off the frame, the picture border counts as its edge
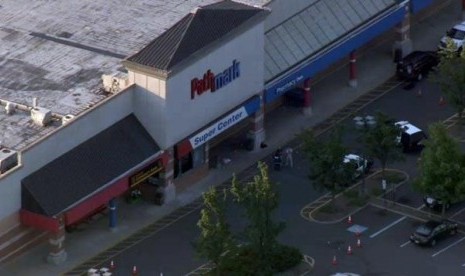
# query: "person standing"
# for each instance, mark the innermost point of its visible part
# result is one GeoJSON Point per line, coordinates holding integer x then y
{"type": "Point", "coordinates": [289, 160]}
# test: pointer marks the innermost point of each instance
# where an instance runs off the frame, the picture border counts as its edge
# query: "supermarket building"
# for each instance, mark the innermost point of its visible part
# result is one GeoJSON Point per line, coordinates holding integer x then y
{"type": "Point", "coordinates": [179, 80]}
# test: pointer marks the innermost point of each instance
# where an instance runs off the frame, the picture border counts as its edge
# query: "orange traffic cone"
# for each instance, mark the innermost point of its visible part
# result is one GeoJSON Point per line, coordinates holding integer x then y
{"type": "Point", "coordinates": [359, 243]}
{"type": "Point", "coordinates": [134, 271]}
{"type": "Point", "coordinates": [442, 101]}
{"type": "Point", "coordinates": [349, 250]}
{"type": "Point", "coordinates": [349, 219]}
{"type": "Point", "coordinates": [334, 262]}
{"type": "Point", "coordinates": [112, 265]}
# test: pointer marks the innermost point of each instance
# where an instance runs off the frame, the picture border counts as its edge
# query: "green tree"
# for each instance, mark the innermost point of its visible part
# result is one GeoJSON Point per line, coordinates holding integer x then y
{"type": "Point", "coordinates": [260, 199]}
{"type": "Point", "coordinates": [380, 141]}
{"type": "Point", "coordinates": [327, 169]}
{"type": "Point", "coordinates": [442, 167]}
{"type": "Point", "coordinates": [215, 238]}
{"type": "Point", "coordinates": [450, 75]}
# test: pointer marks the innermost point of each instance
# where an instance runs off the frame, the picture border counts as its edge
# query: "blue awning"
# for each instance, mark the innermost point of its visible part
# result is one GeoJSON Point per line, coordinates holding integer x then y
{"type": "Point", "coordinates": [337, 50]}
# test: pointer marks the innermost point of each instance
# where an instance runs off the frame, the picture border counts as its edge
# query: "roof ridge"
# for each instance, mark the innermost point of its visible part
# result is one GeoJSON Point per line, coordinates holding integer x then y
{"type": "Point", "coordinates": [173, 53]}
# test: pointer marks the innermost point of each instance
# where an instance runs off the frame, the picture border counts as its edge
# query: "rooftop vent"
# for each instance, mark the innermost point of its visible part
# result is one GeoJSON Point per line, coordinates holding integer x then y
{"type": "Point", "coordinates": [115, 83]}
{"type": "Point", "coordinates": [41, 116]}
{"type": "Point", "coordinates": [67, 118]}
{"type": "Point", "coordinates": [10, 108]}
{"type": "Point", "coordinates": [8, 159]}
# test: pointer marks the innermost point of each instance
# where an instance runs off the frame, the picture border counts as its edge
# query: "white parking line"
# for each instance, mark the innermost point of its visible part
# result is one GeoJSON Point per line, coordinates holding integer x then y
{"type": "Point", "coordinates": [387, 227]}
{"type": "Point", "coordinates": [406, 243]}
{"type": "Point", "coordinates": [457, 213]}
{"type": "Point", "coordinates": [463, 265]}
{"type": "Point", "coordinates": [444, 249]}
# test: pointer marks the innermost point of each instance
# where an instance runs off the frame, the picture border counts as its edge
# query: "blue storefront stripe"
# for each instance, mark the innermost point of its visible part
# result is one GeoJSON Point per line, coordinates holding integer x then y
{"type": "Point", "coordinates": [418, 5]}
{"type": "Point", "coordinates": [252, 105]}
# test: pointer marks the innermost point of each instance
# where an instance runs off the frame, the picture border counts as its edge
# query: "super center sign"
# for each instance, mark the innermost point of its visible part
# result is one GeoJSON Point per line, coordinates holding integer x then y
{"type": "Point", "coordinates": [225, 123]}
{"type": "Point", "coordinates": [212, 82]}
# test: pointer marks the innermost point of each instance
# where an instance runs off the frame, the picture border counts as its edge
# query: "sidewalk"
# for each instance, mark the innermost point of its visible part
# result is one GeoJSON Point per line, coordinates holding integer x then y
{"type": "Point", "coordinates": [330, 94]}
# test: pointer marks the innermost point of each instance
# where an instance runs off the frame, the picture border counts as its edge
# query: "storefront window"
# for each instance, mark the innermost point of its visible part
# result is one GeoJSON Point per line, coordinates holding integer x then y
{"type": "Point", "coordinates": [183, 164]}
{"type": "Point", "coordinates": [199, 156]}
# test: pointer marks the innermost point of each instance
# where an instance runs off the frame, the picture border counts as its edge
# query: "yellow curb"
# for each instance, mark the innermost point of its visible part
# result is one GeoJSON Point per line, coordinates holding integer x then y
{"type": "Point", "coordinates": [311, 218]}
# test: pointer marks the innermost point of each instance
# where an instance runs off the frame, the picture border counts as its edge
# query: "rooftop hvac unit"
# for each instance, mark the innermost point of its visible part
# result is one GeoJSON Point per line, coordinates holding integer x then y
{"type": "Point", "coordinates": [8, 159]}
{"type": "Point", "coordinates": [115, 83]}
{"type": "Point", "coordinates": [67, 118]}
{"type": "Point", "coordinates": [10, 108]}
{"type": "Point", "coordinates": [41, 116]}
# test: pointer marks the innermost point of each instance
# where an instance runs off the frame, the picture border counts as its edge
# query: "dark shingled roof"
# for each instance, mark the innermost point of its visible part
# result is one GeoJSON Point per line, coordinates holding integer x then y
{"type": "Point", "coordinates": [87, 168]}
{"type": "Point", "coordinates": [193, 32]}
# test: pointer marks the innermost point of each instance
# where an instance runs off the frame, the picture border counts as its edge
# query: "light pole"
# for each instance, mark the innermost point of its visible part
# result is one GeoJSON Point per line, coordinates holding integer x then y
{"type": "Point", "coordinates": [363, 124]}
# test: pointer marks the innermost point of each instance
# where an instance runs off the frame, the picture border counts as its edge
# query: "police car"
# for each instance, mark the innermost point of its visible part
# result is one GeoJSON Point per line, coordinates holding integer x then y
{"type": "Point", "coordinates": [360, 164]}
{"type": "Point", "coordinates": [456, 34]}
{"type": "Point", "coordinates": [411, 137]}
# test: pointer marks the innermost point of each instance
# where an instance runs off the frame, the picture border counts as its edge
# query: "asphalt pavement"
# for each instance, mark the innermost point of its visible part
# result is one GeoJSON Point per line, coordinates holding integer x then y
{"type": "Point", "coordinates": [169, 249]}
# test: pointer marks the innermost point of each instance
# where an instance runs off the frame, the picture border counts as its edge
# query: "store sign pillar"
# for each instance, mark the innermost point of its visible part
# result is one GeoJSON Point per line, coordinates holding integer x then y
{"type": "Point", "coordinates": [57, 254]}
{"type": "Point", "coordinates": [403, 44]}
{"type": "Point", "coordinates": [352, 70]}
{"type": "Point", "coordinates": [112, 214]}
{"type": "Point", "coordinates": [169, 189]}
{"type": "Point", "coordinates": [256, 134]}
{"type": "Point", "coordinates": [307, 109]}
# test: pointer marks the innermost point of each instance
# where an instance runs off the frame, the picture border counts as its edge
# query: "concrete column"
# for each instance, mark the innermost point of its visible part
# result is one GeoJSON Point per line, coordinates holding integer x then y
{"type": "Point", "coordinates": [257, 129]}
{"type": "Point", "coordinates": [112, 214]}
{"type": "Point", "coordinates": [57, 254]}
{"type": "Point", "coordinates": [403, 44]}
{"type": "Point", "coordinates": [169, 189]}
{"type": "Point", "coordinates": [307, 109]}
{"type": "Point", "coordinates": [352, 70]}
{"type": "Point", "coordinates": [463, 9]}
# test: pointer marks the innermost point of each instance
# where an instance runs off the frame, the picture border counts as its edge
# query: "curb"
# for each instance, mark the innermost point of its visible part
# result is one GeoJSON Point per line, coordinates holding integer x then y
{"type": "Point", "coordinates": [310, 214]}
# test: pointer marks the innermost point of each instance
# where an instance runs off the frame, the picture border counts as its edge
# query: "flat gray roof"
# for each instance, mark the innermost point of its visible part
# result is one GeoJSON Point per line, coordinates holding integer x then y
{"type": "Point", "coordinates": [56, 51]}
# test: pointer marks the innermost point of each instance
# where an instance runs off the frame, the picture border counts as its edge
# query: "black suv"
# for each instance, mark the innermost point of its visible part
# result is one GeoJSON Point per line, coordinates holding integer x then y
{"type": "Point", "coordinates": [429, 232]}
{"type": "Point", "coordinates": [416, 65]}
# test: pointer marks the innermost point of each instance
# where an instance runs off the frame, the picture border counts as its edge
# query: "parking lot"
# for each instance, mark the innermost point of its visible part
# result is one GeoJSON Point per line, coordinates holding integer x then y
{"type": "Point", "coordinates": [386, 248]}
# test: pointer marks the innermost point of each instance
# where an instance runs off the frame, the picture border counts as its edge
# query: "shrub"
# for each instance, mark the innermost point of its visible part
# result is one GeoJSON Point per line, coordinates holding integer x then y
{"type": "Point", "coordinates": [285, 257]}
{"type": "Point", "coordinates": [244, 262]}
{"type": "Point", "coordinates": [241, 263]}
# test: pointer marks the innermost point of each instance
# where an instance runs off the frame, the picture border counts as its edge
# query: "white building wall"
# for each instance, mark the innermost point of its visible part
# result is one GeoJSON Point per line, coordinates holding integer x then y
{"type": "Point", "coordinates": [165, 107]}
{"type": "Point", "coordinates": [281, 10]}
{"type": "Point", "coordinates": [60, 142]}
{"type": "Point", "coordinates": [185, 115]}
{"type": "Point", "coordinates": [150, 106]}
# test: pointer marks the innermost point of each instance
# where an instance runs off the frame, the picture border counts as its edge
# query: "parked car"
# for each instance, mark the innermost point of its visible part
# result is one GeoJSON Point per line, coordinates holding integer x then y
{"type": "Point", "coordinates": [431, 231]}
{"type": "Point", "coordinates": [416, 65]}
{"type": "Point", "coordinates": [410, 138]}
{"type": "Point", "coordinates": [456, 34]}
{"type": "Point", "coordinates": [359, 164]}
{"type": "Point", "coordinates": [434, 203]}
